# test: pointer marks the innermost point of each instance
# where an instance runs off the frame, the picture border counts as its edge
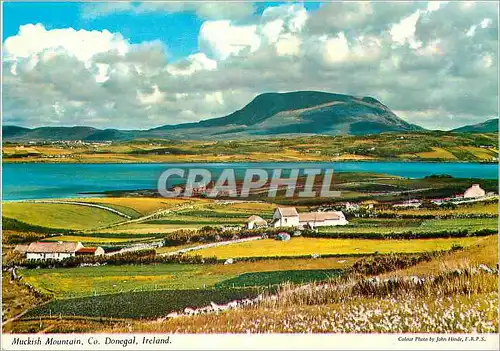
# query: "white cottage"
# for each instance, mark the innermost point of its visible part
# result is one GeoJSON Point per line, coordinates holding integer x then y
{"type": "Point", "coordinates": [474, 191]}
{"type": "Point", "coordinates": [289, 217]}
{"type": "Point", "coordinates": [285, 217]}
{"type": "Point", "coordinates": [52, 250]}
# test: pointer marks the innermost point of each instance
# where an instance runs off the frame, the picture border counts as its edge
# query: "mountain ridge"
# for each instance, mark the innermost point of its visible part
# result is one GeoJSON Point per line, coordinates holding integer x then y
{"type": "Point", "coordinates": [268, 114]}
{"type": "Point", "coordinates": [488, 126]}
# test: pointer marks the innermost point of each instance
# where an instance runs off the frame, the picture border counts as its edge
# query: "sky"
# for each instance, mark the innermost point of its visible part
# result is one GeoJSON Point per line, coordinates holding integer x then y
{"type": "Point", "coordinates": [139, 65]}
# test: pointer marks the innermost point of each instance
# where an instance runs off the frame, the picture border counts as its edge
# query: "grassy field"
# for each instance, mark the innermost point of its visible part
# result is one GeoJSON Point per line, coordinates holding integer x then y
{"type": "Point", "coordinates": [150, 304]}
{"type": "Point", "coordinates": [460, 304]}
{"type": "Point", "coordinates": [381, 225]}
{"type": "Point", "coordinates": [86, 281]}
{"type": "Point", "coordinates": [443, 146]}
{"type": "Point", "coordinates": [61, 216]}
{"type": "Point", "coordinates": [425, 309]}
{"type": "Point", "coordinates": [140, 205]}
{"type": "Point", "coordinates": [484, 252]}
{"type": "Point", "coordinates": [308, 246]}
{"type": "Point", "coordinates": [474, 208]}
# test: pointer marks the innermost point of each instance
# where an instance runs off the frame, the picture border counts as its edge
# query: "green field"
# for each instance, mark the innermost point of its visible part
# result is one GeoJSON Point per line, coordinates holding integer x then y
{"type": "Point", "coordinates": [382, 225]}
{"type": "Point", "coordinates": [309, 246]}
{"type": "Point", "coordinates": [279, 277]}
{"type": "Point", "coordinates": [61, 216]}
{"type": "Point", "coordinates": [86, 281]}
{"type": "Point", "coordinates": [147, 304]}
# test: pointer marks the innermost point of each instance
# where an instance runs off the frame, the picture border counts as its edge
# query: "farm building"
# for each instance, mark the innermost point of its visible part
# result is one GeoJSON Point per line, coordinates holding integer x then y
{"type": "Point", "coordinates": [285, 217]}
{"type": "Point", "coordinates": [289, 217]}
{"type": "Point", "coordinates": [255, 222]}
{"type": "Point", "coordinates": [90, 251]}
{"type": "Point", "coordinates": [322, 219]}
{"type": "Point", "coordinates": [52, 250]}
{"type": "Point", "coordinates": [474, 191]}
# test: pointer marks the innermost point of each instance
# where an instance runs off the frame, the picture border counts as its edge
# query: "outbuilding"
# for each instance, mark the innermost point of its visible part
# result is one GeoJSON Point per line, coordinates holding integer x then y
{"type": "Point", "coordinates": [90, 251]}
{"type": "Point", "coordinates": [255, 222]}
{"type": "Point", "coordinates": [474, 191]}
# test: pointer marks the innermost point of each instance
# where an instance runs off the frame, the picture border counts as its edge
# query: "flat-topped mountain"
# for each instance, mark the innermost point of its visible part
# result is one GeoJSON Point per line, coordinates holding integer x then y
{"type": "Point", "coordinates": [269, 114]}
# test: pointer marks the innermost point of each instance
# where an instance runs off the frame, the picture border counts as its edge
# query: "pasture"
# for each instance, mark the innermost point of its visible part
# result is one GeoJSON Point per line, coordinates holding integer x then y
{"type": "Point", "coordinates": [148, 304]}
{"type": "Point", "coordinates": [309, 246]}
{"type": "Point", "coordinates": [87, 281]}
{"type": "Point", "coordinates": [382, 225]}
{"type": "Point", "coordinates": [60, 216]}
{"type": "Point", "coordinates": [140, 205]}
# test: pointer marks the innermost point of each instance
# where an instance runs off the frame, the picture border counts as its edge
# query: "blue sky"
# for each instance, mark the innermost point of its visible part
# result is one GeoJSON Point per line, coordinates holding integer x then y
{"type": "Point", "coordinates": [141, 65]}
{"type": "Point", "coordinates": [179, 31]}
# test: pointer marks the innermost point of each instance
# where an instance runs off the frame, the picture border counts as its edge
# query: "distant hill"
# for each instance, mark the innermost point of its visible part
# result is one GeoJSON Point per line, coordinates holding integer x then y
{"type": "Point", "coordinates": [270, 114]}
{"type": "Point", "coordinates": [490, 126]}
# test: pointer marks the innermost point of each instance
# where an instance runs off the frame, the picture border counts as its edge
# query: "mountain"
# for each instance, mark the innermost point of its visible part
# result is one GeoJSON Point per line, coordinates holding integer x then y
{"type": "Point", "coordinates": [301, 112]}
{"type": "Point", "coordinates": [269, 114]}
{"type": "Point", "coordinates": [489, 126]}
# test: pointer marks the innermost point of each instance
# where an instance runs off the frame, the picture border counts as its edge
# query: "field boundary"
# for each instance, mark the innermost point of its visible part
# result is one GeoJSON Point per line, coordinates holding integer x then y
{"type": "Point", "coordinates": [88, 204]}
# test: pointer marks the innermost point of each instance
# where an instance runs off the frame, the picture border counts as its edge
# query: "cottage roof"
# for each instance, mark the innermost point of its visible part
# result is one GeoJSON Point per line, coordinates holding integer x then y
{"type": "Point", "coordinates": [87, 250]}
{"type": "Point", "coordinates": [21, 248]}
{"type": "Point", "coordinates": [320, 216]}
{"type": "Point", "coordinates": [48, 247]}
{"type": "Point", "coordinates": [288, 211]}
{"type": "Point", "coordinates": [256, 219]}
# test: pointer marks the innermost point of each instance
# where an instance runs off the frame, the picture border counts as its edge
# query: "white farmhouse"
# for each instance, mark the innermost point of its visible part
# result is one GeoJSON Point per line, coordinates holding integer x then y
{"type": "Point", "coordinates": [285, 217]}
{"type": "Point", "coordinates": [289, 217]}
{"type": "Point", "coordinates": [474, 191]}
{"type": "Point", "coordinates": [52, 250]}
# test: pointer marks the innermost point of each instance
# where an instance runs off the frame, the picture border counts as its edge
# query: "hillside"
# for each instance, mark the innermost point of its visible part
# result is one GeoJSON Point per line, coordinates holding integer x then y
{"type": "Point", "coordinates": [489, 126]}
{"type": "Point", "coordinates": [415, 146]}
{"type": "Point", "coordinates": [270, 114]}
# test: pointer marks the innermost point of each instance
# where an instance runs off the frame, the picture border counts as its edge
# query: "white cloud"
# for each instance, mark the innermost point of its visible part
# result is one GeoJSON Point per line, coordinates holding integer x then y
{"type": "Point", "coordinates": [214, 10]}
{"type": "Point", "coordinates": [421, 60]}
{"type": "Point", "coordinates": [83, 45]}
{"type": "Point", "coordinates": [335, 49]}
{"type": "Point", "coordinates": [194, 63]}
{"type": "Point", "coordinates": [404, 31]}
{"type": "Point", "coordinates": [221, 39]}
{"type": "Point", "coordinates": [152, 98]}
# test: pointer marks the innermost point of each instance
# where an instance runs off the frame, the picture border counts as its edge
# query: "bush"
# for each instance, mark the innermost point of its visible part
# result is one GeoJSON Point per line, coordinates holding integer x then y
{"type": "Point", "coordinates": [387, 263]}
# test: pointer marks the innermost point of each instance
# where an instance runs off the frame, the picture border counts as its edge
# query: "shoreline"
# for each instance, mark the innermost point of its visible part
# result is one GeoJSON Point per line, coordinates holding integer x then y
{"type": "Point", "coordinates": [260, 161]}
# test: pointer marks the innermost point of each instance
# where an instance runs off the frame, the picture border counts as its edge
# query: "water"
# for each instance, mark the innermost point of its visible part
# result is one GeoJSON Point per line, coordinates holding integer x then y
{"type": "Point", "coordinates": [37, 181]}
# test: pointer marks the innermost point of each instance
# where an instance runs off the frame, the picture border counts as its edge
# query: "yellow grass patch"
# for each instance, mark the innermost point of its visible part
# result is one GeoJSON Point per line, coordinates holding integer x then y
{"type": "Point", "coordinates": [483, 154]}
{"type": "Point", "coordinates": [437, 152]}
{"type": "Point", "coordinates": [309, 246]}
{"type": "Point", "coordinates": [143, 205]}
